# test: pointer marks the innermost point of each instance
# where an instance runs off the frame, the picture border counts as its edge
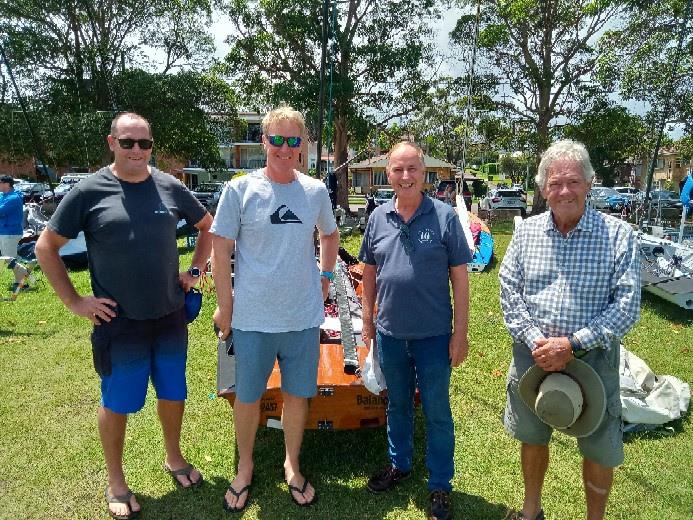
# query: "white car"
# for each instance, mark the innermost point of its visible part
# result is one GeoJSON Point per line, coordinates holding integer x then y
{"type": "Point", "coordinates": [383, 195]}
{"type": "Point", "coordinates": [505, 198]}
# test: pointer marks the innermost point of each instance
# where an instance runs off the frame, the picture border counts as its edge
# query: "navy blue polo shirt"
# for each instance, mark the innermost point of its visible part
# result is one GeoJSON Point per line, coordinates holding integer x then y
{"type": "Point", "coordinates": [412, 260]}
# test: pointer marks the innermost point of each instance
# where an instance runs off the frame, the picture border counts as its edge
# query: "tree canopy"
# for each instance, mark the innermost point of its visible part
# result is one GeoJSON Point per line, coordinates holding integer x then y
{"type": "Point", "coordinates": [377, 51]}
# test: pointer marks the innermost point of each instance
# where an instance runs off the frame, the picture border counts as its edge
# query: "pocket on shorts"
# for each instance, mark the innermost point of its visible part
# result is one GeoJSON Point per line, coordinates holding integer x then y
{"type": "Point", "coordinates": [101, 350]}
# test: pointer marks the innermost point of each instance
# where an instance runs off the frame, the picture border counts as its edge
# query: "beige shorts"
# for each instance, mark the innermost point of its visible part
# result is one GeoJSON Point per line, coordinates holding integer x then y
{"type": "Point", "coordinates": [604, 446]}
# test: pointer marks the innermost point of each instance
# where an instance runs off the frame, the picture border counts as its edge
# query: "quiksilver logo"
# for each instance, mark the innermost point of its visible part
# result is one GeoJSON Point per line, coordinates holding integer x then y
{"type": "Point", "coordinates": [283, 215]}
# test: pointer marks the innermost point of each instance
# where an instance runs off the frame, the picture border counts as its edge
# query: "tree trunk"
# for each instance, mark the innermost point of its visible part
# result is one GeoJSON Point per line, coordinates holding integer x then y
{"type": "Point", "coordinates": [538, 202]}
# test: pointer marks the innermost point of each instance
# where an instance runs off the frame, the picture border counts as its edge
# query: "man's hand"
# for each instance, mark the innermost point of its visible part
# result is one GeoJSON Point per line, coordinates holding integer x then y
{"type": "Point", "coordinates": [325, 285]}
{"type": "Point", "coordinates": [458, 348]}
{"type": "Point", "coordinates": [93, 308]}
{"type": "Point", "coordinates": [552, 354]}
{"type": "Point", "coordinates": [187, 281]}
{"type": "Point", "coordinates": [223, 322]}
{"type": "Point", "coordinates": [368, 332]}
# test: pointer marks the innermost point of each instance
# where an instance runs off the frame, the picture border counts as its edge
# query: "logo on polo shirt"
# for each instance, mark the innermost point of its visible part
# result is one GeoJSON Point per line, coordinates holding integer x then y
{"type": "Point", "coordinates": [283, 215]}
{"type": "Point", "coordinates": [426, 236]}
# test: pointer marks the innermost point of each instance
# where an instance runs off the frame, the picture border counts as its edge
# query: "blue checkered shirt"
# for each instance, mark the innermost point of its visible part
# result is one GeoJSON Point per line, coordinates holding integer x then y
{"type": "Point", "coordinates": [586, 283]}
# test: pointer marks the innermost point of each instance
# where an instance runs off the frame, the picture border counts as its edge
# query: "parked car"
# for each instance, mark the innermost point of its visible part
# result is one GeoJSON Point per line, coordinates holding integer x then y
{"type": "Point", "coordinates": [67, 182]}
{"type": "Point", "coordinates": [32, 191]}
{"type": "Point", "coordinates": [602, 198]}
{"type": "Point", "coordinates": [505, 198]}
{"type": "Point", "coordinates": [383, 195]}
{"type": "Point", "coordinates": [208, 193]}
{"type": "Point", "coordinates": [632, 194]}
{"type": "Point", "coordinates": [665, 198]}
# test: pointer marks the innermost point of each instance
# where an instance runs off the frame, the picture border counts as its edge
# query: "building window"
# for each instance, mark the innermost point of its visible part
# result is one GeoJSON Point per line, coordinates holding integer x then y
{"type": "Point", "coordinates": [379, 178]}
{"type": "Point", "coordinates": [431, 177]}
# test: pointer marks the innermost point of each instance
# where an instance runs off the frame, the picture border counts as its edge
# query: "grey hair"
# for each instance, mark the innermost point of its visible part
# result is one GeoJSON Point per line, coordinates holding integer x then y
{"type": "Point", "coordinates": [564, 149]}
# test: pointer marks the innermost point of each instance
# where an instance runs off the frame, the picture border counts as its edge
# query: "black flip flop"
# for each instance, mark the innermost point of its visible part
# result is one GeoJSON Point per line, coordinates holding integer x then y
{"type": "Point", "coordinates": [301, 490]}
{"type": "Point", "coordinates": [185, 471]}
{"type": "Point", "coordinates": [120, 499]}
{"type": "Point", "coordinates": [238, 495]}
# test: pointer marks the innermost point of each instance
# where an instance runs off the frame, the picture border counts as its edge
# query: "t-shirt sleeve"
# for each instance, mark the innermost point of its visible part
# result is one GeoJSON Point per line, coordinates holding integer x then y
{"type": "Point", "coordinates": [326, 223]}
{"type": "Point", "coordinates": [191, 208]}
{"type": "Point", "coordinates": [69, 218]}
{"type": "Point", "coordinates": [458, 249]}
{"type": "Point", "coordinates": [366, 252]}
{"type": "Point", "coordinates": [227, 221]}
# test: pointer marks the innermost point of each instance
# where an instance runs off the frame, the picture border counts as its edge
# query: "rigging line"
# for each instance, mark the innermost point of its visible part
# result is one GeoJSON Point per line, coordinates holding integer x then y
{"type": "Point", "coordinates": [470, 89]}
{"type": "Point", "coordinates": [37, 147]}
{"type": "Point", "coordinates": [330, 109]}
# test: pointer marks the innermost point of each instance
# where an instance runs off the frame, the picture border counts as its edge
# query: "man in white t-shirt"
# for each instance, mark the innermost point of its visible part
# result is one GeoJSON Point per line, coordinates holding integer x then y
{"type": "Point", "coordinates": [268, 219]}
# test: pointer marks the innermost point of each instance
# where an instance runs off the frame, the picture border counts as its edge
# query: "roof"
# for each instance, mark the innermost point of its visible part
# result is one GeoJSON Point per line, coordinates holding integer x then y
{"type": "Point", "coordinates": [380, 161]}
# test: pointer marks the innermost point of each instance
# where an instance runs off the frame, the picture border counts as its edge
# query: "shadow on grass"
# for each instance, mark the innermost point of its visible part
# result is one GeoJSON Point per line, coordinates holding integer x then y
{"type": "Point", "coordinates": [667, 310]}
{"type": "Point", "coordinates": [338, 464]}
{"type": "Point", "coordinates": [669, 429]}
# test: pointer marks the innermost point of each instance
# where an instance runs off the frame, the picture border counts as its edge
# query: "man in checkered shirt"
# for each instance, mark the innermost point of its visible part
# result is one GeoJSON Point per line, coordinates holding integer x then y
{"type": "Point", "coordinates": [570, 287]}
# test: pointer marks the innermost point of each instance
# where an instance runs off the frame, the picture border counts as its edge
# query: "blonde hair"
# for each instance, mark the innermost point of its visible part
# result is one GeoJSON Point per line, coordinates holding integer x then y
{"type": "Point", "coordinates": [402, 144]}
{"type": "Point", "coordinates": [564, 149]}
{"type": "Point", "coordinates": [284, 113]}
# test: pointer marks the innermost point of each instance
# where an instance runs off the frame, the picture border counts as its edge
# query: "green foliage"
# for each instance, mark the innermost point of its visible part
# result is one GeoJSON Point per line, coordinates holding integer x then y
{"type": "Point", "coordinates": [612, 135]}
{"type": "Point", "coordinates": [376, 54]}
{"type": "Point", "coordinates": [542, 51]}
{"type": "Point", "coordinates": [637, 59]}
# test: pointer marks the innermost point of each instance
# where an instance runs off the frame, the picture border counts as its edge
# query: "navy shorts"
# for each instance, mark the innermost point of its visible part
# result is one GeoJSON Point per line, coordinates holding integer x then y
{"type": "Point", "coordinates": [297, 352]}
{"type": "Point", "coordinates": [128, 352]}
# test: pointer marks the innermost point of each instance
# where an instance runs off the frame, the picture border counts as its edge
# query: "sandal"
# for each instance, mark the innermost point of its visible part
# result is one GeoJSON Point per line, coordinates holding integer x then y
{"type": "Point", "coordinates": [120, 499]}
{"type": "Point", "coordinates": [185, 471]}
{"type": "Point", "coordinates": [238, 495]}
{"type": "Point", "coordinates": [301, 491]}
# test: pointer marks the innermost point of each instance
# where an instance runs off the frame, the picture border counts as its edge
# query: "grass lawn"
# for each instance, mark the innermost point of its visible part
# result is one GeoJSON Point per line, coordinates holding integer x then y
{"type": "Point", "coordinates": [51, 464]}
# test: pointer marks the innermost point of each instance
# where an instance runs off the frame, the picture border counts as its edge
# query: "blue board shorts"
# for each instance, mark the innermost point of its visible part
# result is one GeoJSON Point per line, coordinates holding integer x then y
{"type": "Point", "coordinates": [297, 352]}
{"type": "Point", "coordinates": [128, 352]}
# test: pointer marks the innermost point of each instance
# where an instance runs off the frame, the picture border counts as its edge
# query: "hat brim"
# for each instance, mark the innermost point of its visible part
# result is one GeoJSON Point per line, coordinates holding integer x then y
{"type": "Point", "coordinates": [593, 394]}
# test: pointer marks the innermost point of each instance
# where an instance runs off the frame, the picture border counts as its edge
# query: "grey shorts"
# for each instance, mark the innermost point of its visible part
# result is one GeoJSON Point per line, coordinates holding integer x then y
{"type": "Point", "coordinates": [604, 446]}
{"type": "Point", "coordinates": [297, 352]}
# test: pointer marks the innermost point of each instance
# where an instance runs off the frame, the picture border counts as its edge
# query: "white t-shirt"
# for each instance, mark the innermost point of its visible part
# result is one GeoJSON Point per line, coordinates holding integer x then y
{"type": "Point", "coordinates": [277, 281]}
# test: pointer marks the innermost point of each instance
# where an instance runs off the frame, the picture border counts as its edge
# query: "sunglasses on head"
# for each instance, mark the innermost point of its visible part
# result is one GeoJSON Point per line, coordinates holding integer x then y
{"type": "Point", "coordinates": [279, 140]}
{"type": "Point", "coordinates": [128, 144]}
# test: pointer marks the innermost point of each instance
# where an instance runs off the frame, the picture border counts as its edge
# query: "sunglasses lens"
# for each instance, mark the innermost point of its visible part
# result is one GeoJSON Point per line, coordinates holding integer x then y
{"type": "Point", "coordinates": [145, 144]}
{"type": "Point", "coordinates": [293, 142]}
{"type": "Point", "coordinates": [276, 140]}
{"type": "Point", "coordinates": [126, 143]}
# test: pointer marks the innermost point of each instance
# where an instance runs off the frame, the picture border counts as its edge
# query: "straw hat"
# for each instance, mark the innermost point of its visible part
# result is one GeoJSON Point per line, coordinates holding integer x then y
{"type": "Point", "coordinates": [572, 400]}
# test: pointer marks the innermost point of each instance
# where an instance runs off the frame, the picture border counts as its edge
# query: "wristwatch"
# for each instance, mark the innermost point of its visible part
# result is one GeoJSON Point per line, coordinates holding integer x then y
{"type": "Point", "coordinates": [327, 274]}
{"type": "Point", "coordinates": [576, 346]}
{"type": "Point", "coordinates": [195, 272]}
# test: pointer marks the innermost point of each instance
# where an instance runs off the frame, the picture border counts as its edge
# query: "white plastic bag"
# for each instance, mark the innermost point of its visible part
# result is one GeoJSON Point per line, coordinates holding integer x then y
{"type": "Point", "coordinates": [371, 375]}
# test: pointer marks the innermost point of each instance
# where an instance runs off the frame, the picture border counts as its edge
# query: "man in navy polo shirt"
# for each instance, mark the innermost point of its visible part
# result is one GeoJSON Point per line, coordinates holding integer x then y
{"type": "Point", "coordinates": [412, 248]}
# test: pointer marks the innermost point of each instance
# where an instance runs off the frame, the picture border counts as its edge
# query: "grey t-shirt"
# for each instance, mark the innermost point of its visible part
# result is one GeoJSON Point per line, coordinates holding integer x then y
{"type": "Point", "coordinates": [130, 230]}
{"type": "Point", "coordinates": [412, 262]}
{"type": "Point", "coordinates": [277, 281]}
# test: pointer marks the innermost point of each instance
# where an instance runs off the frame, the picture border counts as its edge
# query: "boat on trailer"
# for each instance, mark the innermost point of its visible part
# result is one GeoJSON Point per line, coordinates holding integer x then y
{"type": "Point", "coordinates": [342, 401]}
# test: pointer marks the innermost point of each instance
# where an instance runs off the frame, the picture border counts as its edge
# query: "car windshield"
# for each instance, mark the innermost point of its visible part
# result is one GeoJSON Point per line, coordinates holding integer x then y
{"type": "Point", "coordinates": [207, 188]}
{"type": "Point", "coordinates": [509, 193]}
{"type": "Point", "coordinates": [384, 194]}
{"type": "Point", "coordinates": [664, 195]}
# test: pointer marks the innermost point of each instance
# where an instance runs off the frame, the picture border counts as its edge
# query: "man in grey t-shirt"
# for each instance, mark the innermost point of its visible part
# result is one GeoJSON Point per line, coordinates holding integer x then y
{"type": "Point", "coordinates": [128, 212]}
{"type": "Point", "coordinates": [268, 219]}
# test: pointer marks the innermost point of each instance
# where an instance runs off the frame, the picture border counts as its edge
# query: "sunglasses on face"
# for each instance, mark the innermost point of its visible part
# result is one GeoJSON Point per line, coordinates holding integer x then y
{"type": "Point", "coordinates": [279, 140]}
{"type": "Point", "coordinates": [128, 144]}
